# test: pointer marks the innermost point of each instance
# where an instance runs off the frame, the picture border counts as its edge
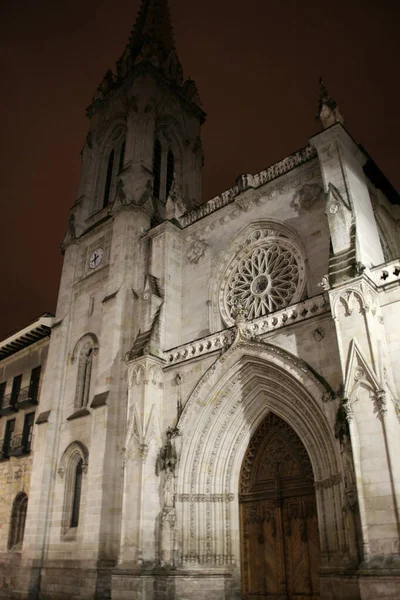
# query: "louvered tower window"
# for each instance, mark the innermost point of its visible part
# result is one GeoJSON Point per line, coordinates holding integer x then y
{"type": "Point", "coordinates": [121, 156]}
{"type": "Point", "coordinates": [157, 169]}
{"type": "Point", "coordinates": [107, 187]}
{"type": "Point", "coordinates": [170, 172]}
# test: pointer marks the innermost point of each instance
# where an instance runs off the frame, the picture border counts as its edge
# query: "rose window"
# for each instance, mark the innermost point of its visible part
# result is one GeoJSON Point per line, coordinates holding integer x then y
{"type": "Point", "coordinates": [263, 281]}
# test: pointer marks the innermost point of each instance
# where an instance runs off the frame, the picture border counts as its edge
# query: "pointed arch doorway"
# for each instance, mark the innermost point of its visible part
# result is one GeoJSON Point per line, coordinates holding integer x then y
{"type": "Point", "coordinates": [280, 552]}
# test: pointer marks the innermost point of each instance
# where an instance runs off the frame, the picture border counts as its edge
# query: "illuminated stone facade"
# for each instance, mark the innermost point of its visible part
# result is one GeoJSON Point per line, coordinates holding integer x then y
{"type": "Point", "coordinates": [182, 325]}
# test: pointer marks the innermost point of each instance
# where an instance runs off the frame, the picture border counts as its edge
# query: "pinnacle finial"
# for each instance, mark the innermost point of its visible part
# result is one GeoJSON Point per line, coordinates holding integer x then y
{"type": "Point", "coordinates": [152, 41]}
{"type": "Point", "coordinates": [328, 110]}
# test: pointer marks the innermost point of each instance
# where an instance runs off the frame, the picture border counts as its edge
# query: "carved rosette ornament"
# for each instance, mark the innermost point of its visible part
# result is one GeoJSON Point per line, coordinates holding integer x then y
{"type": "Point", "coordinates": [268, 275]}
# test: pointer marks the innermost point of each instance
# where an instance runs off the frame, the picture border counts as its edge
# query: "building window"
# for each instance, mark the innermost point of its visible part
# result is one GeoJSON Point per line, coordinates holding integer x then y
{"type": "Point", "coordinates": [84, 375]}
{"type": "Point", "coordinates": [18, 518]}
{"type": "Point", "coordinates": [121, 156]}
{"type": "Point", "coordinates": [157, 168]}
{"type": "Point", "coordinates": [170, 172]}
{"type": "Point", "coordinates": [34, 384]}
{"type": "Point", "coordinates": [113, 164]}
{"type": "Point", "coordinates": [28, 432]}
{"type": "Point", "coordinates": [76, 502]}
{"type": "Point", "coordinates": [163, 170]}
{"type": "Point", "coordinates": [73, 466]}
{"type": "Point", "coordinates": [107, 187]}
{"type": "Point", "coordinates": [3, 386]}
{"type": "Point", "coordinates": [10, 426]}
{"type": "Point", "coordinates": [16, 388]}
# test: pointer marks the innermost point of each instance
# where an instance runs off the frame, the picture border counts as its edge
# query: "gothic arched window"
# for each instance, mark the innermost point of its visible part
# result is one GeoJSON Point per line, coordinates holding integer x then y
{"type": "Point", "coordinates": [18, 518]}
{"type": "Point", "coordinates": [76, 501]}
{"type": "Point", "coordinates": [157, 168]}
{"type": "Point", "coordinates": [121, 156]}
{"type": "Point", "coordinates": [112, 164]}
{"type": "Point", "coordinates": [163, 169]}
{"type": "Point", "coordinates": [170, 171]}
{"type": "Point", "coordinates": [84, 375]}
{"type": "Point", "coordinates": [107, 187]}
{"type": "Point", "coordinates": [73, 466]}
{"type": "Point", "coordinates": [84, 354]}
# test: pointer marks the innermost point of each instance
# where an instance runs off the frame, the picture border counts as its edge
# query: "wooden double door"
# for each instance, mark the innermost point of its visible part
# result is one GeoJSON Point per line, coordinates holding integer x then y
{"type": "Point", "coordinates": [279, 528]}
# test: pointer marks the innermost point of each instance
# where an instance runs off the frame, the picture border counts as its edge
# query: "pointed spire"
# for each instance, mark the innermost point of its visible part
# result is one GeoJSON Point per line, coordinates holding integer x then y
{"type": "Point", "coordinates": [153, 24]}
{"type": "Point", "coordinates": [152, 41]}
{"type": "Point", "coordinates": [328, 110]}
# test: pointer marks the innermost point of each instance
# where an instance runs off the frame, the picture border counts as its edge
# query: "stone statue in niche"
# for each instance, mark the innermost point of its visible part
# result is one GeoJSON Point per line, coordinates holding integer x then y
{"type": "Point", "coordinates": [166, 463]}
{"type": "Point", "coordinates": [350, 506]}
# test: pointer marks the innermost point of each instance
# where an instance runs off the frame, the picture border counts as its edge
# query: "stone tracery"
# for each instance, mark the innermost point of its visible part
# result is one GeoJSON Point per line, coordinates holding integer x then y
{"type": "Point", "coordinates": [263, 270]}
{"type": "Point", "coordinates": [264, 281]}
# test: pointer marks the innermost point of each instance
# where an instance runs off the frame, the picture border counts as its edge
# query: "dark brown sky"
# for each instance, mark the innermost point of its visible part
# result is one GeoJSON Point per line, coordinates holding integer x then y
{"type": "Point", "coordinates": [256, 64]}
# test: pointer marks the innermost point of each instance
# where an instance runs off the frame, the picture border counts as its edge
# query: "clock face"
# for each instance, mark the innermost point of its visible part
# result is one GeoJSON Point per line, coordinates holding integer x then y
{"type": "Point", "coordinates": [96, 258]}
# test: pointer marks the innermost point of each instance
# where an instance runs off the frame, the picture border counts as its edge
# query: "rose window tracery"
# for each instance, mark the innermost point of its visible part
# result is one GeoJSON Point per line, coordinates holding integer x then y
{"type": "Point", "coordinates": [267, 275]}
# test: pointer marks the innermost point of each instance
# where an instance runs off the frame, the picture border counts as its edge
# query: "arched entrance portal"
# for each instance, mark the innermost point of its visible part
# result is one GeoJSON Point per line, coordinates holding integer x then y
{"type": "Point", "coordinates": [278, 516]}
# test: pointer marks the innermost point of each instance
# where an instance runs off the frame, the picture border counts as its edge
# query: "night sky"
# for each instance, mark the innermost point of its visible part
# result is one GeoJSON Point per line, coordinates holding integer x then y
{"type": "Point", "coordinates": [256, 65]}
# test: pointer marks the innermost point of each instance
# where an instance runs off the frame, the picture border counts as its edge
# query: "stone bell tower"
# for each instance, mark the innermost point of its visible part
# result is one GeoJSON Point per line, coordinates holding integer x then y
{"type": "Point", "coordinates": [144, 136]}
{"type": "Point", "coordinates": [141, 168]}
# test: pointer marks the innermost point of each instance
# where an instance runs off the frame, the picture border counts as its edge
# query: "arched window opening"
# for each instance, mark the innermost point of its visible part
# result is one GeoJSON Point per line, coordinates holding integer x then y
{"type": "Point", "coordinates": [76, 502]}
{"type": "Point", "coordinates": [18, 518]}
{"type": "Point", "coordinates": [170, 172]}
{"type": "Point", "coordinates": [121, 156]}
{"type": "Point", "coordinates": [107, 187]}
{"type": "Point", "coordinates": [157, 168]}
{"type": "Point", "coordinates": [84, 375]}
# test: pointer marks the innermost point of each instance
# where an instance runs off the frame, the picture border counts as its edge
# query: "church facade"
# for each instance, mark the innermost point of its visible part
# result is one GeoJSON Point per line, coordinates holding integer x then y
{"type": "Point", "coordinates": [219, 413]}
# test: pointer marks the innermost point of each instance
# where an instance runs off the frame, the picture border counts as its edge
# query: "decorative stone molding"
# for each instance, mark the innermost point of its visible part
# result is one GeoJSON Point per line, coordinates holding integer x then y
{"type": "Point", "coordinates": [197, 251]}
{"type": "Point", "coordinates": [221, 341]}
{"type": "Point", "coordinates": [307, 196]}
{"type": "Point", "coordinates": [249, 181]}
{"type": "Point", "coordinates": [319, 334]}
{"type": "Point", "coordinates": [361, 297]}
{"type": "Point", "coordinates": [205, 497]}
{"type": "Point", "coordinates": [380, 403]}
{"type": "Point", "coordinates": [329, 482]}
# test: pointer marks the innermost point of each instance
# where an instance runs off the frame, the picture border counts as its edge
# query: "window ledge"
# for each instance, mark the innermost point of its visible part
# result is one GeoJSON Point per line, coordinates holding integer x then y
{"type": "Point", "coordinates": [99, 400]}
{"type": "Point", "coordinates": [8, 410]}
{"type": "Point", "coordinates": [43, 417]}
{"type": "Point", "coordinates": [70, 535]}
{"type": "Point", "coordinates": [19, 452]}
{"type": "Point", "coordinates": [82, 412]}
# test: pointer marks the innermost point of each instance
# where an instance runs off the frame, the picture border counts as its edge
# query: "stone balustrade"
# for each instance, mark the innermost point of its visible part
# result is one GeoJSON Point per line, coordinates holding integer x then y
{"type": "Point", "coordinates": [389, 273]}
{"type": "Point", "coordinates": [257, 327]}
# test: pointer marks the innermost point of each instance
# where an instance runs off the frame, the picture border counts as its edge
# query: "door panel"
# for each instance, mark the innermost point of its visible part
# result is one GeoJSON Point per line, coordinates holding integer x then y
{"type": "Point", "coordinates": [279, 528]}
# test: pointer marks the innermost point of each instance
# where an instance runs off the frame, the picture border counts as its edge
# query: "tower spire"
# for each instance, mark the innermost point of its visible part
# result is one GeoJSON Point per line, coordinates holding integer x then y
{"type": "Point", "coordinates": [152, 41]}
{"type": "Point", "coordinates": [328, 110]}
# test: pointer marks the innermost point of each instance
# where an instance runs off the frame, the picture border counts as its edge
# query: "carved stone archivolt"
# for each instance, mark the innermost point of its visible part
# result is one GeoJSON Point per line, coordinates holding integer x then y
{"type": "Point", "coordinates": [223, 412]}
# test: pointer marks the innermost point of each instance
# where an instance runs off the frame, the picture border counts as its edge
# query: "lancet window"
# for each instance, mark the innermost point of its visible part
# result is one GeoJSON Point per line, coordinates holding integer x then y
{"type": "Point", "coordinates": [18, 518]}
{"type": "Point", "coordinates": [84, 353]}
{"type": "Point", "coordinates": [163, 169]}
{"type": "Point", "coordinates": [112, 164]}
{"type": "Point", "coordinates": [73, 467]}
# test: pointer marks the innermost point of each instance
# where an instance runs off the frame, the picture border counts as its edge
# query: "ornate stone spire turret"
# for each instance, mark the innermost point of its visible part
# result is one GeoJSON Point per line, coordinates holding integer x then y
{"type": "Point", "coordinates": [328, 110]}
{"type": "Point", "coordinates": [152, 41]}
